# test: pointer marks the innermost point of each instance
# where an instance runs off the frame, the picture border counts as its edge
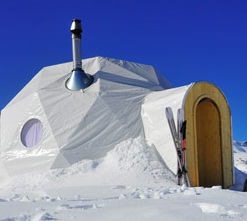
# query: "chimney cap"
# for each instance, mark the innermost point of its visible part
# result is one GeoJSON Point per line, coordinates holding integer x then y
{"type": "Point", "coordinates": [76, 27]}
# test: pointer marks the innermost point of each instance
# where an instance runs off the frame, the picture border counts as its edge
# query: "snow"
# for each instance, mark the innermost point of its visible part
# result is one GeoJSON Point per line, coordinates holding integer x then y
{"type": "Point", "coordinates": [129, 183]}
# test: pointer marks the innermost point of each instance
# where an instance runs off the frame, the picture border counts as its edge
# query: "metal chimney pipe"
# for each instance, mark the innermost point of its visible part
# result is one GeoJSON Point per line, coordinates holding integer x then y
{"type": "Point", "coordinates": [79, 79]}
{"type": "Point", "coordinates": [76, 30]}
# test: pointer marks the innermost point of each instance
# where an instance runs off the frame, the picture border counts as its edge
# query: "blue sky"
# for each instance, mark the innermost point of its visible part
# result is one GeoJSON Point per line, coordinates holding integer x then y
{"type": "Point", "coordinates": [187, 41]}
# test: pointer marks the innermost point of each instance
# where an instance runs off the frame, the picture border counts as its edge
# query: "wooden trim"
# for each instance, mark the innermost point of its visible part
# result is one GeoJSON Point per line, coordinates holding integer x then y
{"type": "Point", "coordinates": [198, 92]}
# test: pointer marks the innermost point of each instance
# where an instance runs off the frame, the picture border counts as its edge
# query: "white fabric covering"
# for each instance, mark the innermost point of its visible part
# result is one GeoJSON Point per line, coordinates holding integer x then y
{"type": "Point", "coordinates": [125, 101]}
{"type": "Point", "coordinates": [155, 124]}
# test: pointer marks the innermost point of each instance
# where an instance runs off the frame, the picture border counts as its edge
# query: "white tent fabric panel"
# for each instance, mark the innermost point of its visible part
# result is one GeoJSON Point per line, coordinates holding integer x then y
{"type": "Point", "coordinates": [157, 131]}
{"type": "Point", "coordinates": [15, 156]}
{"type": "Point", "coordinates": [103, 68]}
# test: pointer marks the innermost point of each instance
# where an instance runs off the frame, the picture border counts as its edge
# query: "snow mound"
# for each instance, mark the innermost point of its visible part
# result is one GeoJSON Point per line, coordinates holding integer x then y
{"type": "Point", "coordinates": [131, 162]}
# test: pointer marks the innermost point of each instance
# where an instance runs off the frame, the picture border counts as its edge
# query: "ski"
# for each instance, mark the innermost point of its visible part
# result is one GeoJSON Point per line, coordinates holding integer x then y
{"type": "Point", "coordinates": [180, 120]}
{"type": "Point", "coordinates": [178, 136]}
{"type": "Point", "coordinates": [182, 143]}
{"type": "Point", "coordinates": [170, 118]}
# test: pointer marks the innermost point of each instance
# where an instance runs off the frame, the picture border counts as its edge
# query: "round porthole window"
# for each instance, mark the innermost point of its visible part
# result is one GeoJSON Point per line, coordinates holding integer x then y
{"type": "Point", "coordinates": [31, 133]}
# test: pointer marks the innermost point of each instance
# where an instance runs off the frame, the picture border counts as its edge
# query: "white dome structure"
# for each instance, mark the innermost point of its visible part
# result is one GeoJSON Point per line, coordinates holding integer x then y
{"type": "Point", "coordinates": [48, 126]}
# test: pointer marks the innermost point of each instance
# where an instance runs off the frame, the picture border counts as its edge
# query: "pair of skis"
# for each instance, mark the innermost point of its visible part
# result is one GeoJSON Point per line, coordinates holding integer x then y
{"type": "Point", "coordinates": [179, 139]}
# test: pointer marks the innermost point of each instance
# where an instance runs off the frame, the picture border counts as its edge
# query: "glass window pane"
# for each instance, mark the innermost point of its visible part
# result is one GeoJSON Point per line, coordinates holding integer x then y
{"type": "Point", "coordinates": [31, 133]}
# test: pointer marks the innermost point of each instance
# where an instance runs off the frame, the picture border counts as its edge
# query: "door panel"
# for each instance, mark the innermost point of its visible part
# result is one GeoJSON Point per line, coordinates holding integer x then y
{"type": "Point", "coordinates": [208, 144]}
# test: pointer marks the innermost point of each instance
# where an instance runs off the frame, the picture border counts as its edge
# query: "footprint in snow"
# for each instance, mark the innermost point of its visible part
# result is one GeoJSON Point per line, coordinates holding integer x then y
{"type": "Point", "coordinates": [209, 208]}
{"type": "Point", "coordinates": [79, 207]}
{"type": "Point", "coordinates": [3, 200]}
{"type": "Point", "coordinates": [20, 198]}
{"type": "Point", "coordinates": [43, 216]}
{"type": "Point", "coordinates": [18, 218]}
{"type": "Point", "coordinates": [119, 187]}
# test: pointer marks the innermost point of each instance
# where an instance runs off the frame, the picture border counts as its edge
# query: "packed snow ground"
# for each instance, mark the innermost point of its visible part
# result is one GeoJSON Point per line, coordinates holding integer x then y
{"type": "Point", "coordinates": [130, 183]}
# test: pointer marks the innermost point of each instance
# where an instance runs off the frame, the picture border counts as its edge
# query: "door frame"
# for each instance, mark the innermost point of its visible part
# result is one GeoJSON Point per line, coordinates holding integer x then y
{"type": "Point", "coordinates": [198, 92]}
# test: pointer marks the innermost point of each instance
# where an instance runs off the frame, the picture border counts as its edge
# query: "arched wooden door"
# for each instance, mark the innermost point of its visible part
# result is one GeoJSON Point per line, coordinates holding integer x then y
{"type": "Point", "coordinates": [208, 144]}
{"type": "Point", "coordinates": [208, 136]}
